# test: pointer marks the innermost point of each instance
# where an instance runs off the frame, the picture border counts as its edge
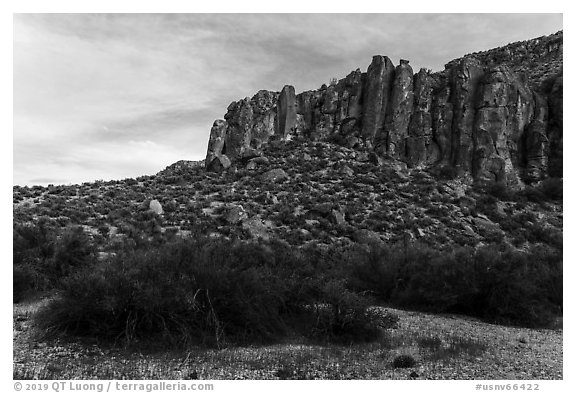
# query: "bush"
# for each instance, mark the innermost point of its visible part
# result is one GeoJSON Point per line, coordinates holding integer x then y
{"type": "Point", "coordinates": [522, 288]}
{"type": "Point", "coordinates": [455, 346]}
{"type": "Point", "coordinates": [448, 173]}
{"type": "Point", "coordinates": [403, 361]}
{"type": "Point", "coordinates": [24, 279]}
{"type": "Point", "coordinates": [499, 190]}
{"type": "Point", "coordinates": [33, 246]}
{"type": "Point", "coordinates": [549, 189]}
{"type": "Point", "coordinates": [531, 194]}
{"type": "Point", "coordinates": [205, 291]}
{"type": "Point", "coordinates": [33, 242]}
{"type": "Point", "coordinates": [429, 342]}
{"type": "Point", "coordinates": [72, 251]}
{"type": "Point", "coordinates": [552, 188]}
{"type": "Point", "coordinates": [343, 316]}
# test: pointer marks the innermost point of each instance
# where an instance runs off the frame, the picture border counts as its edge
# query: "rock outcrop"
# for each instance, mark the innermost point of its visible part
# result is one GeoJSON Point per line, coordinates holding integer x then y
{"type": "Point", "coordinates": [486, 116]}
{"type": "Point", "coordinates": [504, 109]}
{"type": "Point", "coordinates": [399, 111]}
{"type": "Point", "coordinates": [377, 89]}
{"type": "Point", "coordinates": [287, 111]}
{"type": "Point", "coordinates": [216, 158]}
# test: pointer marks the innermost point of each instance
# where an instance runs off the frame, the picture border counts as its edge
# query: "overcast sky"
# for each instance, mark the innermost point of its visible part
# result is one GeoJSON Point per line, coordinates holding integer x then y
{"type": "Point", "coordinates": [116, 96]}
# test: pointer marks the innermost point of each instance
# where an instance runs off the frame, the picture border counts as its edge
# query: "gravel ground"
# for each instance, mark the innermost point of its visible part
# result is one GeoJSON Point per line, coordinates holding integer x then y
{"type": "Point", "coordinates": [512, 353]}
{"type": "Point", "coordinates": [444, 347]}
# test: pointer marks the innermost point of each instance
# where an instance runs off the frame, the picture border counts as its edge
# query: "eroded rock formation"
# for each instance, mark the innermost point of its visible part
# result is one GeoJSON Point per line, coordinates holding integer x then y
{"type": "Point", "coordinates": [484, 116]}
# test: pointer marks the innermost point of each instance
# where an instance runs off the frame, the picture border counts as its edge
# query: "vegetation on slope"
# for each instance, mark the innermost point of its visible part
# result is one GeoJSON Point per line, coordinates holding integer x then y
{"type": "Point", "coordinates": [236, 258]}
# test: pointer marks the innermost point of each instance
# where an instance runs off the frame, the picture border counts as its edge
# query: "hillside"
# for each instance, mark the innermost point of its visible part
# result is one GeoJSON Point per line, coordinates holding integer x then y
{"type": "Point", "coordinates": [341, 216]}
{"type": "Point", "coordinates": [311, 191]}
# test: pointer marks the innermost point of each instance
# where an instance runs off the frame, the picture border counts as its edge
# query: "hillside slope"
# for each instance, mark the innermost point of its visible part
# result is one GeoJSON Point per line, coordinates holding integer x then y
{"type": "Point", "coordinates": [306, 191]}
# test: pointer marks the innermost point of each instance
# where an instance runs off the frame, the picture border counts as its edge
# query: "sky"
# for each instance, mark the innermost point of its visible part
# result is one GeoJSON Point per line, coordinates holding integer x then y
{"type": "Point", "coordinates": [112, 96]}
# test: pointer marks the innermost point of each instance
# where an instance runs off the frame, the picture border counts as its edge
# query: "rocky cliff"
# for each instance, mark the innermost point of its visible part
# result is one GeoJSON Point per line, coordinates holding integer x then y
{"type": "Point", "coordinates": [492, 116]}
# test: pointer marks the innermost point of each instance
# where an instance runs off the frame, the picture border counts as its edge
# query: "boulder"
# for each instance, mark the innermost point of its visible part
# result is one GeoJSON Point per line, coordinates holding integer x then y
{"type": "Point", "coordinates": [256, 228]}
{"type": "Point", "coordinates": [219, 163]}
{"type": "Point", "coordinates": [255, 162]}
{"type": "Point", "coordinates": [275, 175]}
{"type": "Point", "coordinates": [249, 152]}
{"type": "Point", "coordinates": [484, 223]}
{"type": "Point", "coordinates": [322, 209]}
{"type": "Point", "coordinates": [366, 236]}
{"type": "Point", "coordinates": [338, 217]}
{"type": "Point", "coordinates": [235, 214]}
{"type": "Point", "coordinates": [347, 171]}
{"type": "Point", "coordinates": [155, 206]}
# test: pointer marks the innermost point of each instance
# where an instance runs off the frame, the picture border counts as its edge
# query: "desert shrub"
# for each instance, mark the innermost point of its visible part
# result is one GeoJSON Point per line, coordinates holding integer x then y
{"type": "Point", "coordinates": [434, 280]}
{"type": "Point", "coordinates": [200, 291]}
{"type": "Point", "coordinates": [25, 278]}
{"type": "Point", "coordinates": [343, 316]}
{"type": "Point", "coordinates": [552, 188]}
{"type": "Point", "coordinates": [429, 342]}
{"type": "Point", "coordinates": [519, 288]}
{"type": "Point", "coordinates": [116, 214]}
{"type": "Point", "coordinates": [33, 246]}
{"type": "Point", "coordinates": [547, 83]}
{"type": "Point", "coordinates": [176, 294]}
{"type": "Point", "coordinates": [531, 194]}
{"type": "Point", "coordinates": [499, 285]}
{"type": "Point", "coordinates": [498, 190]}
{"type": "Point", "coordinates": [549, 189]}
{"type": "Point", "coordinates": [374, 270]}
{"type": "Point", "coordinates": [337, 139]}
{"type": "Point", "coordinates": [448, 173]}
{"type": "Point", "coordinates": [465, 345]}
{"type": "Point", "coordinates": [486, 204]}
{"type": "Point", "coordinates": [454, 346]}
{"type": "Point", "coordinates": [33, 242]}
{"type": "Point", "coordinates": [72, 251]}
{"type": "Point", "coordinates": [555, 163]}
{"type": "Point", "coordinates": [538, 233]}
{"type": "Point", "coordinates": [403, 361]}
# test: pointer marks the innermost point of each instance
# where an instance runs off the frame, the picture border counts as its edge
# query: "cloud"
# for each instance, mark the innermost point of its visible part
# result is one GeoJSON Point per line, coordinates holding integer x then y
{"type": "Point", "coordinates": [101, 161]}
{"type": "Point", "coordinates": [90, 90]}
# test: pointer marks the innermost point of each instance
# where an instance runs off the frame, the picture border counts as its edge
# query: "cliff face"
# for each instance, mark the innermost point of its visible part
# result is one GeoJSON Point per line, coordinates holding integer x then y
{"type": "Point", "coordinates": [490, 116]}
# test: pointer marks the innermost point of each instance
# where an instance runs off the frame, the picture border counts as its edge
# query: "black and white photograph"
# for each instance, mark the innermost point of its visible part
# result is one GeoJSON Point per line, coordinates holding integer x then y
{"type": "Point", "coordinates": [287, 196]}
